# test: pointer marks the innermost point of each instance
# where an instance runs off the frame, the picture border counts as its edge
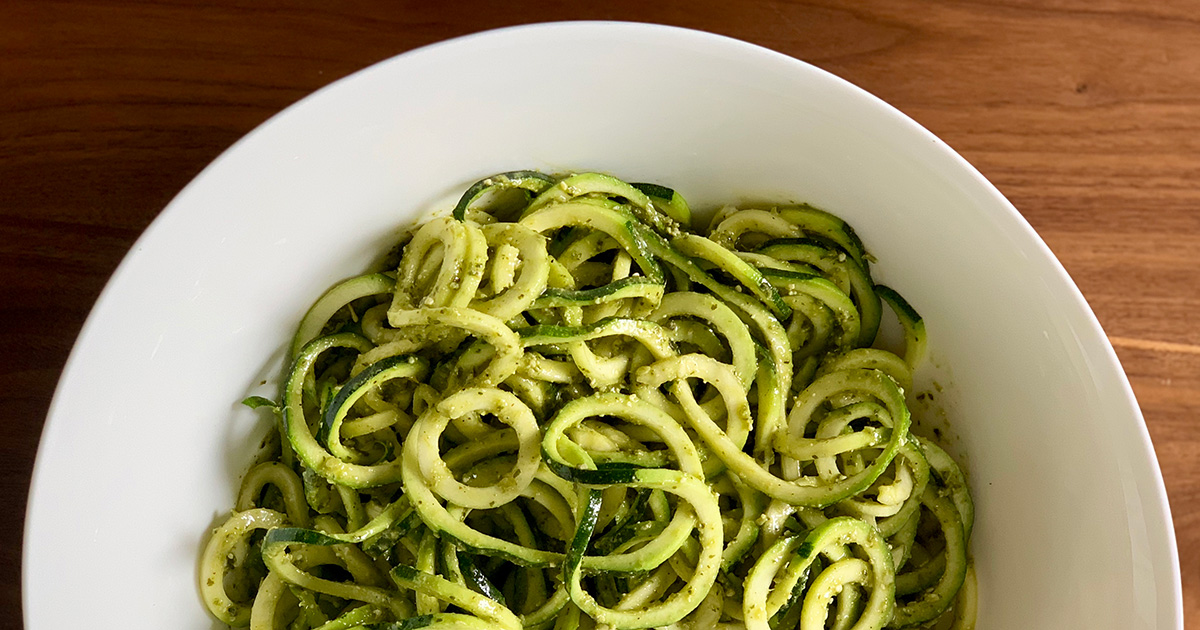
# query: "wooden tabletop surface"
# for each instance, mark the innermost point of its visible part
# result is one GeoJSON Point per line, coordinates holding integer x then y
{"type": "Point", "coordinates": [1085, 114]}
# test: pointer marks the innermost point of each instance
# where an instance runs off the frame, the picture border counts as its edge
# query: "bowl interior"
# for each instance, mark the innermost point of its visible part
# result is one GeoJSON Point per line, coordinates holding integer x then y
{"type": "Point", "coordinates": [145, 438]}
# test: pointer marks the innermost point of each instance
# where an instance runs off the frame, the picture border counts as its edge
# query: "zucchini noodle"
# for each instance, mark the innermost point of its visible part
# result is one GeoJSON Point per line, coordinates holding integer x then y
{"type": "Point", "coordinates": [563, 407]}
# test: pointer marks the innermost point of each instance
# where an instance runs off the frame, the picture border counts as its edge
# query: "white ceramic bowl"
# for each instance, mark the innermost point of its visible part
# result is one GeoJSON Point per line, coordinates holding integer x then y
{"type": "Point", "coordinates": [145, 439]}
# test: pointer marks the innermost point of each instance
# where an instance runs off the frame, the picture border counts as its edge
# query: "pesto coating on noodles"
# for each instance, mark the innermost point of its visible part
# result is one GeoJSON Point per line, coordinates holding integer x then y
{"type": "Point", "coordinates": [564, 406]}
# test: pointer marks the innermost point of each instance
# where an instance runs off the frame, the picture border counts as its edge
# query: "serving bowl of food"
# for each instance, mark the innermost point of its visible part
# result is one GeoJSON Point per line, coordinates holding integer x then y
{"type": "Point", "coordinates": [595, 324]}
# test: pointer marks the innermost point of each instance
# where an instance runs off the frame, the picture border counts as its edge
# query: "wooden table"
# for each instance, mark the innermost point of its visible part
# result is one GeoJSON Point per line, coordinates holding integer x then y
{"type": "Point", "coordinates": [1085, 114]}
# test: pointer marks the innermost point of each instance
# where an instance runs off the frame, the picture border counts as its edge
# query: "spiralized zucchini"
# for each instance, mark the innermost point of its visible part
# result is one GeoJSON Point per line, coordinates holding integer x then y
{"type": "Point", "coordinates": [561, 407]}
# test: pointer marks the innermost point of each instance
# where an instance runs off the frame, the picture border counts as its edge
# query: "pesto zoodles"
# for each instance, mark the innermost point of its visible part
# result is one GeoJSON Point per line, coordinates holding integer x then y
{"type": "Point", "coordinates": [561, 407]}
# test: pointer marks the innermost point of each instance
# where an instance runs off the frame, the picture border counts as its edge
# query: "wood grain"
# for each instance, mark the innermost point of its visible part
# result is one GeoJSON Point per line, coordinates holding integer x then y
{"type": "Point", "coordinates": [1086, 114]}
